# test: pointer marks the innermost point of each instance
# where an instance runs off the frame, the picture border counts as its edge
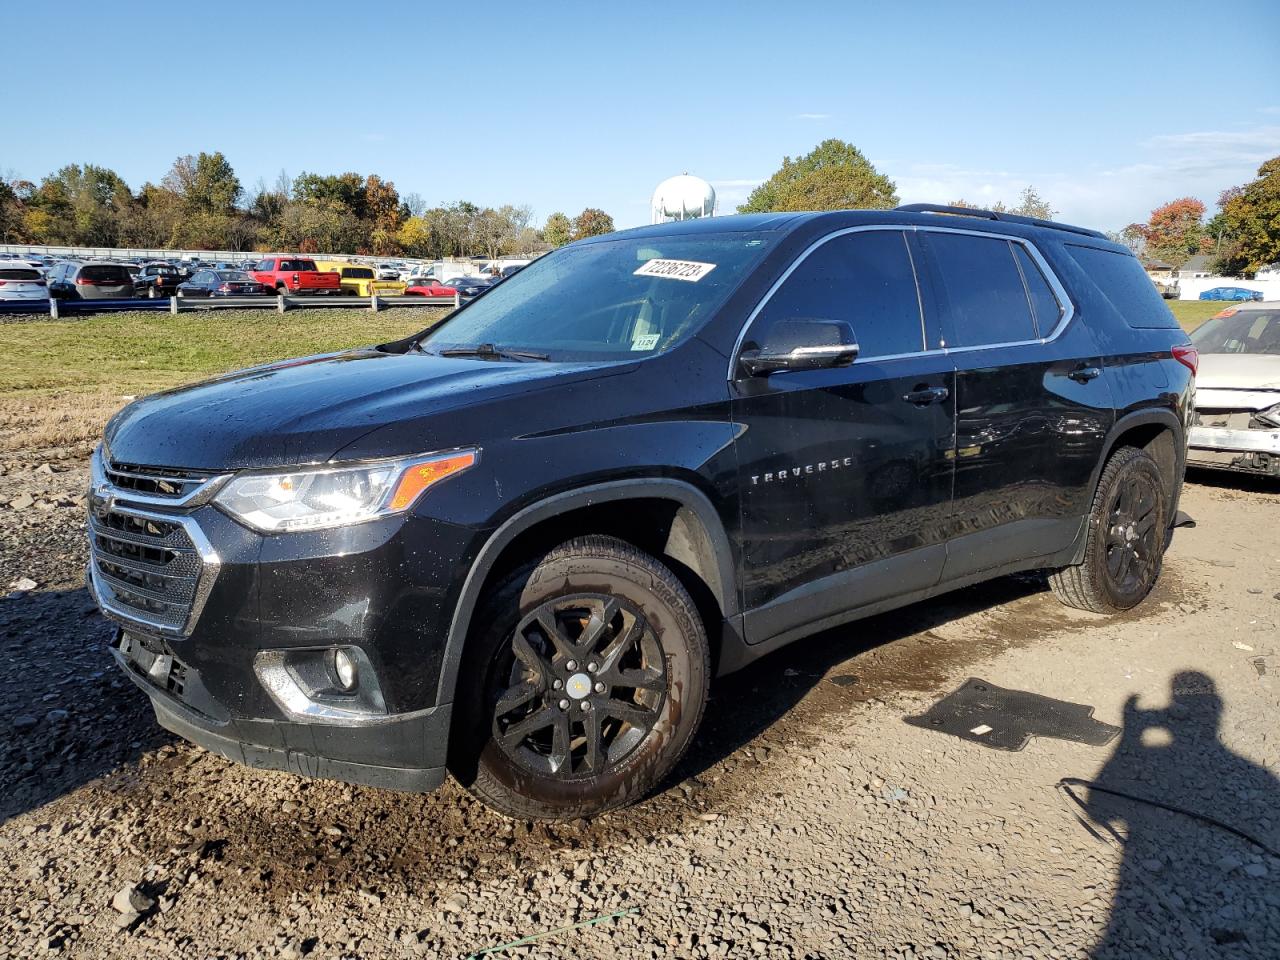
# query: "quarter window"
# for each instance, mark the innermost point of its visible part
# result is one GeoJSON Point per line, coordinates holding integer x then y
{"type": "Point", "coordinates": [865, 279]}
{"type": "Point", "coordinates": [986, 302]}
{"type": "Point", "coordinates": [1045, 306]}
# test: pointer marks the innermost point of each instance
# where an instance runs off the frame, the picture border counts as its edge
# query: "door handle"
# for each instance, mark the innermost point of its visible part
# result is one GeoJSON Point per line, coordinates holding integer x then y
{"type": "Point", "coordinates": [926, 395]}
{"type": "Point", "coordinates": [1084, 374]}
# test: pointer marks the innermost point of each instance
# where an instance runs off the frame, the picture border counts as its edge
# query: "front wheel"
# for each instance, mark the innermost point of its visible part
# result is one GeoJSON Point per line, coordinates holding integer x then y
{"type": "Point", "coordinates": [1125, 538]}
{"type": "Point", "coordinates": [582, 685]}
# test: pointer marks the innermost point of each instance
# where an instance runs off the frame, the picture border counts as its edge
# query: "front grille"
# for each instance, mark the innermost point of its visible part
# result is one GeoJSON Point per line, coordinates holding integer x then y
{"type": "Point", "coordinates": [155, 481]}
{"type": "Point", "coordinates": [150, 566]}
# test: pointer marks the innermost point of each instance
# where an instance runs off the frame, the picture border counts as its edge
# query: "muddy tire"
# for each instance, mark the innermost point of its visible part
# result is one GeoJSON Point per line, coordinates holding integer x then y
{"type": "Point", "coordinates": [1125, 539]}
{"type": "Point", "coordinates": [582, 684]}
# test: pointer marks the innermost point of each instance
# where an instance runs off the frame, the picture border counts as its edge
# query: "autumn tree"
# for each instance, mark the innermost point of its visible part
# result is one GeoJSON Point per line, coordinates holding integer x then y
{"type": "Point", "coordinates": [557, 231]}
{"type": "Point", "coordinates": [592, 222]}
{"type": "Point", "coordinates": [1174, 231]}
{"type": "Point", "coordinates": [1030, 204]}
{"type": "Point", "coordinates": [1250, 223]}
{"type": "Point", "coordinates": [414, 237]}
{"type": "Point", "coordinates": [833, 176]}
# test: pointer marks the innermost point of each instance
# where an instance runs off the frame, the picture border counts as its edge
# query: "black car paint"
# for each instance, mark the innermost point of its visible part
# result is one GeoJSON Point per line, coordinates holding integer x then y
{"type": "Point", "coordinates": [995, 477]}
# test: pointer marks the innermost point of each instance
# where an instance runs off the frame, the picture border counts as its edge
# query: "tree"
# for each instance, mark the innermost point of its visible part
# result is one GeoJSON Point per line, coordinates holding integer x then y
{"type": "Point", "coordinates": [557, 231]}
{"type": "Point", "coordinates": [415, 237]}
{"type": "Point", "coordinates": [206, 183]}
{"type": "Point", "coordinates": [591, 223]}
{"type": "Point", "coordinates": [1134, 236]}
{"type": "Point", "coordinates": [78, 205]}
{"type": "Point", "coordinates": [833, 176]}
{"type": "Point", "coordinates": [1030, 204]}
{"type": "Point", "coordinates": [382, 209]}
{"type": "Point", "coordinates": [1174, 231]}
{"type": "Point", "coordinates": [1250, 223]}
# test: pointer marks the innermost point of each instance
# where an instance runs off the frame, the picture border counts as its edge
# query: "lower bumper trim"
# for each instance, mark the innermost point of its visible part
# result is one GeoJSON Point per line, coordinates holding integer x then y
{"type": "Point", "coordinates": [1237, 441]}
{"type": "Point", "coordinates": [297, 762]}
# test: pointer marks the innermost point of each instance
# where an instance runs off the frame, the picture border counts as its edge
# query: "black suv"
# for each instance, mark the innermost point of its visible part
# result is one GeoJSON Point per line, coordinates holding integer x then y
{"type": "Point", "coordinates": [519, 546]}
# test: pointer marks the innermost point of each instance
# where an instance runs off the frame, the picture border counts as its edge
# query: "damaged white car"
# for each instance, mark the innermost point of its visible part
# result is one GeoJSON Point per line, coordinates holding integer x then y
{"type": "Point", "coordinates": [1237, 421]}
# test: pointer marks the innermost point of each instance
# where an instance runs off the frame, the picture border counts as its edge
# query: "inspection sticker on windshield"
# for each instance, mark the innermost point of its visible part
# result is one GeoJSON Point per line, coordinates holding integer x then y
{"type": "Point", "coordinates": [690, 270]}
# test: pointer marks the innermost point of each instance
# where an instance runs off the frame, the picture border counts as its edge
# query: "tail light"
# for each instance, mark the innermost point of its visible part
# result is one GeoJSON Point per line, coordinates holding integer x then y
{"type": "Point", "coordinates": [296, 279]}
{"type": "Point", "coordinates": [225, 288]}
{"type": "Point", "coordinates": [3, 282]}
{"type": "Point", "coordinates": [1189, 357]}
{"type": "Point", "coordinates": [85, 282]}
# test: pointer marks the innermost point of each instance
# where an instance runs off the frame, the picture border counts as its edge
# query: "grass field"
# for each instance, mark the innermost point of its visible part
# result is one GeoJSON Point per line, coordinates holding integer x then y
{"type": "Point", "coordinates": [61, 380]}
{"type": "Point", "coordinates": [1192, 313]}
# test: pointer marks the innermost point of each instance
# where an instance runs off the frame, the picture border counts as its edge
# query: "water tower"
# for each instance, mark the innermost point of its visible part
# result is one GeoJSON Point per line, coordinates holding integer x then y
{"type": "Point", "coordinates": [683, 198]}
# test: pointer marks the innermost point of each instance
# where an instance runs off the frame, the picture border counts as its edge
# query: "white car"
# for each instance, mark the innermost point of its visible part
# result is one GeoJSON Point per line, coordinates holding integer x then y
{"type": "Point", "coordinates": [22, 281]}
{"type": "Point", "coordinates": [1237, 420]}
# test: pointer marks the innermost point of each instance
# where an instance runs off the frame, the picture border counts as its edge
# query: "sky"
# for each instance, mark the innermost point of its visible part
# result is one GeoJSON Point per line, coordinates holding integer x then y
{"type": "Point", "coordinates": [1108, 109]}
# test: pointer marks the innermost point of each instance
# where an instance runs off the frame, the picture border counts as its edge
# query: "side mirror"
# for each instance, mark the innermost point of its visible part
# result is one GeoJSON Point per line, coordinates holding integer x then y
{"type": "Point", "coordinates": [801, 344]}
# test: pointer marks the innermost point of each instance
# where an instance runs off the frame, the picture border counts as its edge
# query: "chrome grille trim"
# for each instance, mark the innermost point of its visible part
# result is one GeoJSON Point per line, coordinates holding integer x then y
{"type": "Point", "coordinates": [146, 485]}
{"type": "Point", "coordinates": [178, 610]}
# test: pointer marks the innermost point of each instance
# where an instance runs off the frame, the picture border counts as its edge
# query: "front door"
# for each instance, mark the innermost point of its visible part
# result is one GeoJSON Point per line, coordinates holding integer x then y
{"type": "Point", "coordinates": [845, 474]}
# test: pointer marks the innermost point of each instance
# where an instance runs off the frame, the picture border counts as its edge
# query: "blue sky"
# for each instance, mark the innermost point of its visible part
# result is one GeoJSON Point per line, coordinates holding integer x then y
{"type": "Point", "coordinates": [1108, 108]}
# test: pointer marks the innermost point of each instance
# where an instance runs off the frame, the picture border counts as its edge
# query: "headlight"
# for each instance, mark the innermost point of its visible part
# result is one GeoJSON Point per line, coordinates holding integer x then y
{"type": "Point", "coordinates": [314, 499]}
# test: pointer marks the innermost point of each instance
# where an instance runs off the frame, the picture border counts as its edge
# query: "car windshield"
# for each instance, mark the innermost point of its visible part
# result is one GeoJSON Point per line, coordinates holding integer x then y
{"type": "Point", "coordinates": [1244, 331]}
{"type": "Point", "coordinates": [612, 299]}
{"type": "Point", "coordinates": [231, 275]}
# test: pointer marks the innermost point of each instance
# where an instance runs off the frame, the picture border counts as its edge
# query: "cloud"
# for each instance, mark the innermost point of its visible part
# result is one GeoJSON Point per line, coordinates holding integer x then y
{"type": "Point", "coordinates": [812, 116]}
{"type": "Point", "coordinates": [1198, 163]}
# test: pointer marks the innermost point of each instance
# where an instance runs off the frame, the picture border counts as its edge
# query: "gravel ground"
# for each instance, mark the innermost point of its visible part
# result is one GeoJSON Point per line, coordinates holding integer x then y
{"type": "Point", "coordinates": [809, 821]}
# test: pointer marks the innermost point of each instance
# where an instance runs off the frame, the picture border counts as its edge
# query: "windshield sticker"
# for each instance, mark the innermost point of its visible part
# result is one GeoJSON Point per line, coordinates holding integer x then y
{"type": "Point", "coordinates": [646, 342]}
{"type": "Point", "coordinates": [690, 270]}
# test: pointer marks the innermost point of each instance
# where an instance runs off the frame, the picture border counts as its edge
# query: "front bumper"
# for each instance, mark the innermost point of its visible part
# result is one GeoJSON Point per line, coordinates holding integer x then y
{"type": "Point", "coordinates": [405, 752]}
{"type": "Point", "coordinates": [1235, 440]}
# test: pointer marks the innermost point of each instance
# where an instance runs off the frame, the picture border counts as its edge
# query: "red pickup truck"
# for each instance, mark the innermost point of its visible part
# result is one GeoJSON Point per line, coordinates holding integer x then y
{"type": "Point", "coordinates": [295, 275]}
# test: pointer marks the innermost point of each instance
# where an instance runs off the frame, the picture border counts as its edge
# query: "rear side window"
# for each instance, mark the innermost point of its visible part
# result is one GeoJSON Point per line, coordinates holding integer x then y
{"type": "Point", "coordinates": [297, 264]}
{"type": "Point", "coordinates": [357, 273]}
{"type": "Point", "coordinates": [1044, 304]}
{"type": "Point", "coordinates": [1122, 280]}
{"type": "Point", "coordinates": [865, 279]}
{"type": "Point", "coordinates": [18, 273]}
{"type": "Point", "coordinates": [985, 300]}
{"type": "Point", "coordinates": [104, 273]}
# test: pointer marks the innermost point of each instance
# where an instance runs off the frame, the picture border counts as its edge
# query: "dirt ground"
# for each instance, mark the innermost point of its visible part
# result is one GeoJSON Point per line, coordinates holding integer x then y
{"type": "Point", "coordinates": [809, 821]}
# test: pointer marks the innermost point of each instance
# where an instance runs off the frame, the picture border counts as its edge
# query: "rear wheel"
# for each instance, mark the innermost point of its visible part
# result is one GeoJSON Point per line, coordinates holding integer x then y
{"type": "Point", "coordinates": [1125, 540]}
{"type": "Point", "coordinates": [583, 686]}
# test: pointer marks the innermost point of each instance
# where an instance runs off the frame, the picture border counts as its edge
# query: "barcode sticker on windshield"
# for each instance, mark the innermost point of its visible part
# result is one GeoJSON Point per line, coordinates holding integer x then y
{"type": "Point", "coordinates": [645, 342]}
{"type": "Point", "coordinates": [690, 270]}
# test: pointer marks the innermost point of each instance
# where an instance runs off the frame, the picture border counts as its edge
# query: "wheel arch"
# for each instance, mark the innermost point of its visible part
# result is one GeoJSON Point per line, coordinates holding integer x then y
{"type": "Point", "coordinates": [695, 544]}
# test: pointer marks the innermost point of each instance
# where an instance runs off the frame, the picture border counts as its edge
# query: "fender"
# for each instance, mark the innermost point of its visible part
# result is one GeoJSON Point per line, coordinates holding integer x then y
{"type": "Point", "coordinates": [1163, 416]}
{"type": "Point", "coordinates": [721, 575]}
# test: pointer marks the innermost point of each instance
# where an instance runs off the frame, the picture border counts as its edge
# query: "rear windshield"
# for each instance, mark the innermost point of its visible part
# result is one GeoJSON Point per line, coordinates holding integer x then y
{"type": "Point", "coordinates": [297, 264]}
{"type": "Point", "coordinates": [232, 275]}
{"type": "Point", "coordinates": [107, 273]}
{"type": "Point", "coordinates": [357, 273]}
{"type": "Point", "coordinates": [18, 273]}
{"type": "Point", "coordinates": [1121, 279]}
{"type": "Point", "coordinates": [1246, 331]}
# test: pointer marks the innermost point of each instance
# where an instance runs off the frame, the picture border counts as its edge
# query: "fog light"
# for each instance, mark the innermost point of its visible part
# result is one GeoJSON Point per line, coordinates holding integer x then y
{"type": "Point", "coordinates": [344, 668]}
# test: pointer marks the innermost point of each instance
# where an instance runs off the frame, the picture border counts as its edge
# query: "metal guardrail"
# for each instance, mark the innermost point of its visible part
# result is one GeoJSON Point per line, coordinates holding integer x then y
{"type": "Point", "coordinates": [60, 308]}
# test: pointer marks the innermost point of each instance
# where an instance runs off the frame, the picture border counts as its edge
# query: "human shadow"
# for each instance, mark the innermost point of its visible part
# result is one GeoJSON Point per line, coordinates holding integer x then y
{"type": "Point", "coordinates": [1187, 887]}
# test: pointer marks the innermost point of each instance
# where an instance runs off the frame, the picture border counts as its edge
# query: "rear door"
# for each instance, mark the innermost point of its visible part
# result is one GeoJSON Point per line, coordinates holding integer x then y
{"type": "Point", "coordinates": [845, 474]}
{"type": "Point", "coordinates": [1033, 404]}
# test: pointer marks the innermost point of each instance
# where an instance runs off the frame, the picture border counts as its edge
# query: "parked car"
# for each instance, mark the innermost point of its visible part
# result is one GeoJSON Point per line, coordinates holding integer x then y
{"type": "Point", "coordinates": [20, 280]}
{"type": "Point", "coordinates": [427, 287]}
{"type": "Point", "coordinates": [91, 281]}
{"type": "Point", "coordinates": [221, 283]}
{"type": "Point", "coordinates": [359, 281]}
{"type": "Point", "coordinates": [469, 286]}
{"type": "Point", "coordinates": [1231, 293]}
{"type": "Point", "coordinates": [295, 275]}
{"type": "Point", "coordinates": [386, 563]}
{"type": "Point", "coordinates": [1237, 417]}
{"type": "Point", "coordinates": [154, 280]}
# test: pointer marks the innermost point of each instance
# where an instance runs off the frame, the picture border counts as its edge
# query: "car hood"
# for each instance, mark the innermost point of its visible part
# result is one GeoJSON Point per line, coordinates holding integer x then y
{"type": "Point", "coordinates": [306, 410]}
{"type": "Point", "coordinates": [1239, 381]}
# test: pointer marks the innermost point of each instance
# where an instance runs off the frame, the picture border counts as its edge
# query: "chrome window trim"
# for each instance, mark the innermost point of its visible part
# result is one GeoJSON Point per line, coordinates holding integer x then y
{"type": "Point", "coordinates": [1059, 291]}
{"type": "Point", "coordinates": [211, 563]}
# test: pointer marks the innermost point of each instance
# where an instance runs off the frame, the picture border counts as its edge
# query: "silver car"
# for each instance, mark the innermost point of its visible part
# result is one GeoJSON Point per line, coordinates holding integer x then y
{"type": "Point", "coordinates": [21, 281]}
{"type": "Point", "coordinates": [91, 281]}
{"type": "Point", "coordinates": [1237, 422]}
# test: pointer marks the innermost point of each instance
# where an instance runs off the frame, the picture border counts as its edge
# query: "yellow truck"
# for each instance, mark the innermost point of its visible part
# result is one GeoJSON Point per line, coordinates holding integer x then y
{"type": "Point", "coordinates": [358, 280]}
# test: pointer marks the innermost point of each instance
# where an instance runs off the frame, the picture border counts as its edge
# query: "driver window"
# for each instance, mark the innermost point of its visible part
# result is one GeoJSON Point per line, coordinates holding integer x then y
{"type": "Point", "coordinates": [865, 279]}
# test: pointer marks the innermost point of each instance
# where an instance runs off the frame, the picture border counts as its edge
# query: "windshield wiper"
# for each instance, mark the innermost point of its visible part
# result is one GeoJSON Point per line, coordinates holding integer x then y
{"type": "Point", "coordinates": [489, 352]}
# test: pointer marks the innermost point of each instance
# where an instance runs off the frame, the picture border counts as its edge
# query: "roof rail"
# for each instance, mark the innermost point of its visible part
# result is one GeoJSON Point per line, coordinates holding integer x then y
{"type": "Point", "coordinates": [993, 215]}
